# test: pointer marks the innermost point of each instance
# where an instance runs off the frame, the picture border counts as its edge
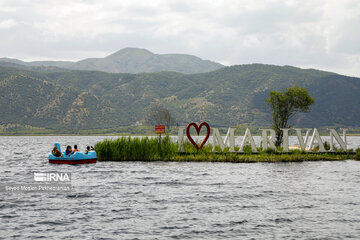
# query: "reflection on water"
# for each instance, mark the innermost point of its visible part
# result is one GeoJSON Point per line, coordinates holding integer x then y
{"type": "Point", "coordinates": [142, 200]}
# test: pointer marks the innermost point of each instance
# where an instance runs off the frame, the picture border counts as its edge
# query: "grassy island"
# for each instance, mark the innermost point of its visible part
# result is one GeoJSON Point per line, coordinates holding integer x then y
{"type": "Point", "coordinates": [154, 149]}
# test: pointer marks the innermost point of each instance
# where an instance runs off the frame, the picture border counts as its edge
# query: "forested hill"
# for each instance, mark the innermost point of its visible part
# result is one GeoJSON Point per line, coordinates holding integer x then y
{"type": "Point", "coordinates": [225, 97]}
{"type": "Point", "coordinates": [129, 60]}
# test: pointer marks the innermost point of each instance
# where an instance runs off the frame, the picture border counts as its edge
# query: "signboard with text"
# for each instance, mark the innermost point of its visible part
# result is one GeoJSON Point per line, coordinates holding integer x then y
{"type": "Point", "coordinates": [312, 142]}
{"type": "Point", "coordinates": [159, 129]}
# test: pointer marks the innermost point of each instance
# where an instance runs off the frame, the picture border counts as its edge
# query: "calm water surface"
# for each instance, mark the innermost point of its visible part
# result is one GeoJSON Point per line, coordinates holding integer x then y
{"type": "Point", "coordinates": [161, 200]}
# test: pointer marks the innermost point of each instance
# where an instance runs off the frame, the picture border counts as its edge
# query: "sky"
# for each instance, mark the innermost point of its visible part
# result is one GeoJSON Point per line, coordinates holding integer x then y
{"type": "Point", "coordinates": [321, 34]}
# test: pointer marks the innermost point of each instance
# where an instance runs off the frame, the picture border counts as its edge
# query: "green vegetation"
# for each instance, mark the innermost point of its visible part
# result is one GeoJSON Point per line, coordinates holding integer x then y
{"type": "Point", "coordinates": [150, 149]}
{"type": "Point", "coordinates": [262, 157]}
{"type": "Point", "coordinates": [231, 96]}
{"type": "Point", "coordinates": [285, 105]}
{"type": "Point", "coordinates": [357, 156]}
{"type": "Point", "coordinates": [136, 149]}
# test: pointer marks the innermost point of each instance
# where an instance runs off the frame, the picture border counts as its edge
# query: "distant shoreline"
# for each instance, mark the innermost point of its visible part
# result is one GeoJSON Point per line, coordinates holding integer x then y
{"type": "Point", "coordinates": [117, 134]}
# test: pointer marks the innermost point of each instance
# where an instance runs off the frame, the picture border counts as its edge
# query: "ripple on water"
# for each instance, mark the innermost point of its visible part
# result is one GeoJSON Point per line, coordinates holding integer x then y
{"type": "Point", "coordinates": [78, 195]}
{"type": "Point", "coordinates": [55, 223]}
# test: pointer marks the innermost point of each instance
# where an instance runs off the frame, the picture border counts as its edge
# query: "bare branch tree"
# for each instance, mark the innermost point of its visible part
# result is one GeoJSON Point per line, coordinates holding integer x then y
{"type": "Point", "coordinates": [159, 115]}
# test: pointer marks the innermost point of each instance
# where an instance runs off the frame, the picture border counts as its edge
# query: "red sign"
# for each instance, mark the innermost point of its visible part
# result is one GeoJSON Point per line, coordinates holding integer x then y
{"type": "Point", "coordinates": [159, 129]}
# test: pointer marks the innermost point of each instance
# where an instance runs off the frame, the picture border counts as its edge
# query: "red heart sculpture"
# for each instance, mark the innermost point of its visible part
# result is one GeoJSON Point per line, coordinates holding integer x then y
{"type": "Point", "coordinates": [197, 128]}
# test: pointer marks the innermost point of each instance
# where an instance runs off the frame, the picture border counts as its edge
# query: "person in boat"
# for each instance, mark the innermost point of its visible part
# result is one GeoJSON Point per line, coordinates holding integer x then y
{"type": "Point", "coordinates": [87, 150]}
{"type": "Point", "coordinates": [75, 149]}
{"type": "Point", "coordinates": [68, 150]}
{"type": "Point", "coordinates": [56, 152]}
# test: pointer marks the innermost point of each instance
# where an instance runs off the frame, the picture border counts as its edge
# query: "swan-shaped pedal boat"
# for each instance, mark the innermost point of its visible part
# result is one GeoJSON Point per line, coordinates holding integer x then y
{"type": "Point", "coordinates": [76, 158]}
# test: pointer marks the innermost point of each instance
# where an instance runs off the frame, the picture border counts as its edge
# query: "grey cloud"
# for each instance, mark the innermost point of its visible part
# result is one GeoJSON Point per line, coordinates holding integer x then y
{"type": "Point", "coordinates": [306, 33]}
{"type": "Point", "coordinates": [348, 41]}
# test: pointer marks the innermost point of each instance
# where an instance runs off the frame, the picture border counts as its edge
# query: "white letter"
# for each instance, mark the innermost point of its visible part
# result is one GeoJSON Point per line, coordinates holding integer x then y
{"type": "Point", "coordinates": [300, 138]}
{"type": "Point", "coordinates": [181, 139]}
{"type": "Point", "coordinates": [52, 177]}
{"type": "Point", "coordinates": [316, 136]}
{"type": "Point", "coordinates": [248, 138]}
{"type": "Point", "coordinates": [218, 139]}
{"type": "Point", "coordinates": [344, 134]}
{"type": "Point", "coordinates": [286, 139]}
{"type": "Point", "coordinates": [265, 140]}
{"type": "Point", "coordinates": [333, 134]}
{"type": "Point", "coordinates": [66, 177]}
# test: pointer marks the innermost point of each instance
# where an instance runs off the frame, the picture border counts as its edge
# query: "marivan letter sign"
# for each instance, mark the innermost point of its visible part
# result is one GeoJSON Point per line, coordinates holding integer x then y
{"type": "Point", "coordinates": [267, 139]}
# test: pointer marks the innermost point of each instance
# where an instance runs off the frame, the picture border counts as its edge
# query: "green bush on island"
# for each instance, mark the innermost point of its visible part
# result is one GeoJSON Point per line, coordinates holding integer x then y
{"type": "Point", "coordinates": [130, 149]}
{"type": "Point", "coordinates": [357, 156]}
{"type": "Point", "coordinates": [152, 149]}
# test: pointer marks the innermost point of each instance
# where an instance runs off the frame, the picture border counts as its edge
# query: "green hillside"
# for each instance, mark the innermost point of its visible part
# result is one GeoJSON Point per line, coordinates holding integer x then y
{"type": "Point", "coordinates": [130, 60]}
{"type": "Point", "coordinates": [225, 97]}
{"type": "Point", "coordinates": [28, 100]}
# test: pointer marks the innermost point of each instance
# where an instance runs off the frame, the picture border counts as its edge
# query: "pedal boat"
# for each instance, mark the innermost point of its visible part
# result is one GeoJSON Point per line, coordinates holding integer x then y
{"type": "Point", "coordinates": [76, 158]}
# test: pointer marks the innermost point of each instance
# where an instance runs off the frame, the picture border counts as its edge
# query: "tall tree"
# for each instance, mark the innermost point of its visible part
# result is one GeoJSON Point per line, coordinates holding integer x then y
{"type": "Point", "coordinates": [157, 115]}
{"type": "Point", "coordinates": [285, 105]}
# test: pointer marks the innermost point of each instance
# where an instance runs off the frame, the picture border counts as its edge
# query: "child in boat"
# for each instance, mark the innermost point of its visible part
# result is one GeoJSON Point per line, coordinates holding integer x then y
{"type": "Point", "coordinates": [68, 150]}
{"type": "Point", "coordinates": [87, 150]}
{"type": "Point", "coordinates": [75, 149]}
{"type": "Point", "coordinates": [56, 152]}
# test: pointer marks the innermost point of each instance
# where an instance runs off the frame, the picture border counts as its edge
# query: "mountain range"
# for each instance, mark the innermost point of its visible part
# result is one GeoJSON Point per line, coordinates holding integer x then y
{"type": "Point", "coordinates": [129, 60]}
{"type": "Point", "coordinates": [58, 98]}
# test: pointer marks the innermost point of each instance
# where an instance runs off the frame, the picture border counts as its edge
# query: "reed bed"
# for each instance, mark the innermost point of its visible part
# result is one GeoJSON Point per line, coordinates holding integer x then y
{"type": "Point", "coordinates": [136, 149]}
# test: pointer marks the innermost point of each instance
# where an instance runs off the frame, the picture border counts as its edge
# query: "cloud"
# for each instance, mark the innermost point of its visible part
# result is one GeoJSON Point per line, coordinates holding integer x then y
{"type": "Point", "coordinates": [9, 23]}
{"type": "Point", "coordinates": [321, 34]}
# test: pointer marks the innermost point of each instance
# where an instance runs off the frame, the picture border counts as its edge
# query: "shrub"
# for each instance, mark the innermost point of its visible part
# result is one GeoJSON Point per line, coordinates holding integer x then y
{"type": "Point", "coordinates": [136, 149]}
{"type": "Point", "coordinates": [247, 149]}
{"type": "Point", "coordinates": [357, 156]}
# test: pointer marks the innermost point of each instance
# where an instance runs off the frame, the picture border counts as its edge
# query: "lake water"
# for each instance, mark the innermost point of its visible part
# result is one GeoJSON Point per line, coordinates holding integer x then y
{"type": "Point", "coordinates": [173, 200]}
